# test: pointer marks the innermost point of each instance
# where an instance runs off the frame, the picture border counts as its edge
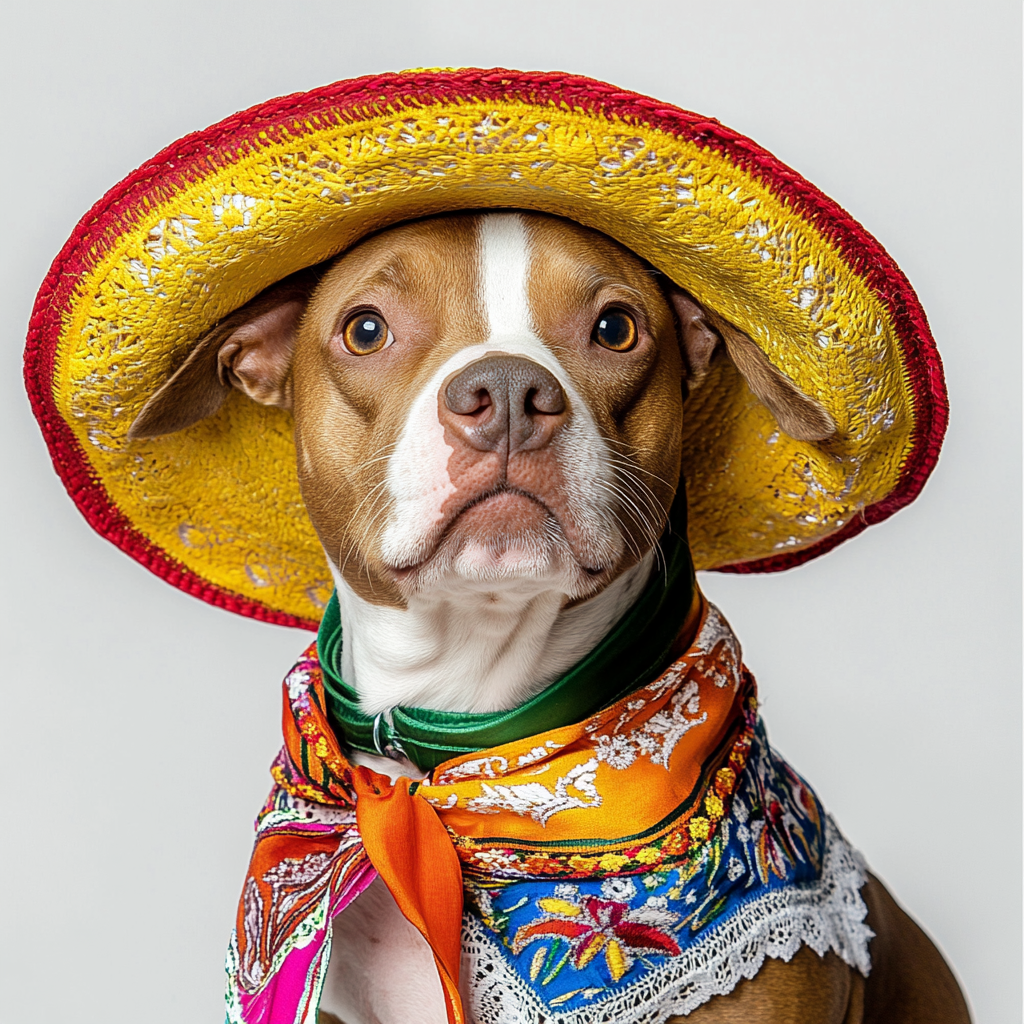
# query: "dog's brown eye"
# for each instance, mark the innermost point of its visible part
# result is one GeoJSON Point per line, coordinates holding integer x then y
{"type": "Point", "coordinates": [366, 333]}
{"type": "Point", "coordinates": [615, 330]}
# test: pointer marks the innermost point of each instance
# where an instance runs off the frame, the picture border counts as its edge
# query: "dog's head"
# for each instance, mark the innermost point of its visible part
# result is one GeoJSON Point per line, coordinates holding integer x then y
{"type": "Point", "coordinates": [481, 402]}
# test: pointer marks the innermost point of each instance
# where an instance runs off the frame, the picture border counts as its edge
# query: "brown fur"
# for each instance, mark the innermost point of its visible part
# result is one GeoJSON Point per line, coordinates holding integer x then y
{"type": "Point", "coordinates": [283, 348]}
{"type": "Point", "coordinates": [635, 397]}
{"type": "Point", "coordinates": [348, 409]}
{"type": "Point", "coordinates": [243, 351]}
{"type": "Point", "coordinates": [797, 414]}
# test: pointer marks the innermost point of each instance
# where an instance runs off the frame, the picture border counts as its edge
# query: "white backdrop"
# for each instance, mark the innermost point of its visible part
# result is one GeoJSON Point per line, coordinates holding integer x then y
{"type": "Point", "coordinates": [138, 724]}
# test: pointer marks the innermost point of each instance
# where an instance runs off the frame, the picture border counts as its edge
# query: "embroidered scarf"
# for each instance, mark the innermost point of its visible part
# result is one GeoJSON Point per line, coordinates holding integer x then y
{"type": "Point", "coordinates": [627, 866]}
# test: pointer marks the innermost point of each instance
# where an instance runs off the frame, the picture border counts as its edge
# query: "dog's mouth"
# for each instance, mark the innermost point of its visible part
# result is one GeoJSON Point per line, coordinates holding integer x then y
{"type": "Point", "coordinates": [504, 532]}
{"type": "Point", "coordinates": [503, 495]}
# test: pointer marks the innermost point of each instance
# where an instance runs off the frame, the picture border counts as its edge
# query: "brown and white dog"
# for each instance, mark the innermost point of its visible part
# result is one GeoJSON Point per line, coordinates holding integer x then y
{"type": "Point", "coordinates": [487, 412]}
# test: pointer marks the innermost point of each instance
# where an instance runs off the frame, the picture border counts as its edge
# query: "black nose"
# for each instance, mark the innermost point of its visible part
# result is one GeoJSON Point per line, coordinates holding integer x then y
{"type": "Point", "coordinates": [505, 402]}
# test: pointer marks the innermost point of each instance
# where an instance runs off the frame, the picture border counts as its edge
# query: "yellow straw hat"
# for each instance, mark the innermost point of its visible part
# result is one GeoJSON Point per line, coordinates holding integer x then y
{"type": "Point", "coordinates": [221, 214]}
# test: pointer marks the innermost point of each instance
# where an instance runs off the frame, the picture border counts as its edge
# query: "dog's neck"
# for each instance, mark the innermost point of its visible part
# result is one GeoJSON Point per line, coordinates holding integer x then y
{"type": "Point", "coordinates": [471, 651]}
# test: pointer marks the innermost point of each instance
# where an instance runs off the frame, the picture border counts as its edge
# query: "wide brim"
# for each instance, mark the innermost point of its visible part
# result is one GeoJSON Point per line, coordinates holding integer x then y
{"type": "Point", "coordinates": [218, 216]}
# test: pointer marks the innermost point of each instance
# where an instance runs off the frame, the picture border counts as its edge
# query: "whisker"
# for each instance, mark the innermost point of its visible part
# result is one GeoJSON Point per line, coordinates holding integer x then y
{"type": "Point", "coordinates": [630, 508]}
{"type": "Point", "coordinates": [617, 460]}
{"type": "Point", "coordinates": [640, 504]}
{"type": "Point", "coordinates": [381, 455]}
{"type": "Point", "coordinates": [644, 493]}
{"type": "Point", "coordinates": [372, 515]}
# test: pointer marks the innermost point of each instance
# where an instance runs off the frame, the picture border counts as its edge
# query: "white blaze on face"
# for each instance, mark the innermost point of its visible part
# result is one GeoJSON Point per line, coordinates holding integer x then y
{"type": "Point", "coordinates": [418, 478]}
{"type": "Point", "coordinates": [505, 274]}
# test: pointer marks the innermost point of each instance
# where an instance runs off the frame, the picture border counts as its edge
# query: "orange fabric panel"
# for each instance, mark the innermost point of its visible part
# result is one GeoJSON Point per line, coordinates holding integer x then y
{"type": "Point", "coordinates": [413, 854]}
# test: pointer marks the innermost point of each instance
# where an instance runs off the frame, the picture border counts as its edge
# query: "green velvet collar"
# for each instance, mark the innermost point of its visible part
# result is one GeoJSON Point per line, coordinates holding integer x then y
{"type": "Point", "coordinates": [632, 654]}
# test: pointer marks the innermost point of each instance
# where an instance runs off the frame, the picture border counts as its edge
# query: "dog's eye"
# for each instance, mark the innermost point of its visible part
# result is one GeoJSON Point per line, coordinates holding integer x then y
{"type": "Point", "coordinates": [615, 330]}
{"type": "Point", "coordinates": [366, 333]}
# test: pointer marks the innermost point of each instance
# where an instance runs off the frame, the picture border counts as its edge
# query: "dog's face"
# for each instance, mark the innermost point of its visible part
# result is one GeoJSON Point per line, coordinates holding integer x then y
{"type": "Point", "coordinates": [481, 402]}
{"type": "Point", "coordinates": [487, 401]}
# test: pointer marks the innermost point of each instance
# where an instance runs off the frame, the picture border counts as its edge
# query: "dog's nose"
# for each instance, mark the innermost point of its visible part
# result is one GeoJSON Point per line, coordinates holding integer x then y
{"type": "Point", "coordinates": [504, 402]}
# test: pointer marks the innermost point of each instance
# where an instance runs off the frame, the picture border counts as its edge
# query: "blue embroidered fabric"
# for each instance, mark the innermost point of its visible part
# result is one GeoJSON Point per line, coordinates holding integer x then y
{"type": "Point", "coordinates": [578, 943]}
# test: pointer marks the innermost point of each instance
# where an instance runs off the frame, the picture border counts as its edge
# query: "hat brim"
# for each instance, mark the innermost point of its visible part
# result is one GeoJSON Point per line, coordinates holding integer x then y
{"type": "Point", "coordinates": [221, 214]}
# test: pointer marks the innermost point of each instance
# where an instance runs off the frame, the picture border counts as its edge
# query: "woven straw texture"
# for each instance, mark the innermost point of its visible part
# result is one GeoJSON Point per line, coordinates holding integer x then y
{"type": "Point", "coordinates": [222, 214]}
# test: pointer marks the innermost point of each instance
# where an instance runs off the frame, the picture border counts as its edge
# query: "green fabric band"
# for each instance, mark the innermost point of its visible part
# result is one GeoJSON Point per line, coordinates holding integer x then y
{"type": "Point", "coordinates": [633, 653]}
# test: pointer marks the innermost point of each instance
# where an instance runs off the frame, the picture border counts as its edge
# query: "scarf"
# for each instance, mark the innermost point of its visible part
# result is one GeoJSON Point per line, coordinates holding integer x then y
{"type": "Point", "coordinates": [625, 866]}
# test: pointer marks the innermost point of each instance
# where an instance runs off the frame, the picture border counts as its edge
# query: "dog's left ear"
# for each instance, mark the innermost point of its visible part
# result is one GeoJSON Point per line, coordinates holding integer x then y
{"type": "Point", "coordinates": [703, 334]}
{"type": "Point", "coordinates": [250, 349]}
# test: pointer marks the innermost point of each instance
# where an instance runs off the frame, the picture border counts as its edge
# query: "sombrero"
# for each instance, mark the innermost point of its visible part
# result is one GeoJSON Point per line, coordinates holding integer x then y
{"type": "Point", "coordinates": [221, 214]}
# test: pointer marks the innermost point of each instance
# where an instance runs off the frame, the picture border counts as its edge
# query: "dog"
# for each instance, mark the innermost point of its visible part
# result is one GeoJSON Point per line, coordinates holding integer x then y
{"type": "Point", "coordinates": [486, 412]}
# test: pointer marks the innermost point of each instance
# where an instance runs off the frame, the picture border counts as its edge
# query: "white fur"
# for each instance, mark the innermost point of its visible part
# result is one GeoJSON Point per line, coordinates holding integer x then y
{"type": "Point", "coordinates": [381, 969]}
{"type": "Point", "coordinates": [477, 651]}
{"type": "Point", "coordinates": [491, 633]}
{"type": "Point", "coordinates": [505, 274]}
{"type": "Point", "coordinates": [485, 637]}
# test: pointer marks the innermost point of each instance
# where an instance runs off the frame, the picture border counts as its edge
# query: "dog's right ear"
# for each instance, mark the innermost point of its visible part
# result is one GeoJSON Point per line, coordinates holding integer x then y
{"type": "Point", "coordinates": [250, 349]}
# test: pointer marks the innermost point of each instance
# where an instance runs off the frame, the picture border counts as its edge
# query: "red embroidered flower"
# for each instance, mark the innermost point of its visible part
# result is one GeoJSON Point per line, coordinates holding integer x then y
{"type": "Point", "coordinates": [596, 925]}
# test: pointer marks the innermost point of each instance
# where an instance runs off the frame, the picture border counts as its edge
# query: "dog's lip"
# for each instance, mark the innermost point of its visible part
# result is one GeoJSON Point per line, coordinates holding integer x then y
{"type": "Point", "coordinates": [401, 572]}
{"type": "Point", "coordinates": [499, 492]}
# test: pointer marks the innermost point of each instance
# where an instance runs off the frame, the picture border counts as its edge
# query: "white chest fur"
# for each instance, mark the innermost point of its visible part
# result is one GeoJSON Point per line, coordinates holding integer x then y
{"type": "Point", "coordinates": [476, 651]}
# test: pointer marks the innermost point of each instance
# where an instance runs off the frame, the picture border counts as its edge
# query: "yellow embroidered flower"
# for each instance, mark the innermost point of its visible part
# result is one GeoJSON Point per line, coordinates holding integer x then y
{"type": "Point", "coordinates": [688, 872]}
{"type": "Point", "coordinates": [615, 960]}
{"type": "Point", "coordinates": [553, 905]}
{"type": "Point", "coordinates": [592, 947]}
{"type": "Point", "coordinates": [648, 855]}
{"type": "Point", "coordinates": [674, 843]}
{"type": "Point", "coordinates": [725, 779]}
{"type": "Point", "coordinates": [700, 828]}
{"type": "Point", "coordinates": [582, 864]}
{"type": "Point", "coordinates": [538, 865]}
{"type": "Point", "coordinates": [713, 805]}
{"type": "Point", "coordinates": [612, 862]}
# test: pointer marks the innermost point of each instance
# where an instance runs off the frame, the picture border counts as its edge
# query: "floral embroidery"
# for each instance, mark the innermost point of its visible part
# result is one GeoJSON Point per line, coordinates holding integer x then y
{"type": "Point", "coordinates": [491, 767]}
{"type": "Point", "coordinates": [658, 736]}
{"type": "Point", "coordinates": [575, 789]}
{"type": "Point", "coordinates": [678, 842]}
{"type": "Point", "coordinates": [591, 925]}
{"type": "Point", "coordinates": [573, 943]}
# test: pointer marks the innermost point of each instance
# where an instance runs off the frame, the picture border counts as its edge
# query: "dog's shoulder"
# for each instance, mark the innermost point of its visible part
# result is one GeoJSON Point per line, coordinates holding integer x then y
{"type": "Point", "coordinates": [809, 987]}
{"type": "Point", "coordinates": [909, 983]}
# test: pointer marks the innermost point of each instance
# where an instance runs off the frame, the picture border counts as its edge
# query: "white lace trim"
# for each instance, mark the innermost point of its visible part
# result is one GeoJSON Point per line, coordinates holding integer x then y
{"type": "Point", "coordinates": [829, 914]}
